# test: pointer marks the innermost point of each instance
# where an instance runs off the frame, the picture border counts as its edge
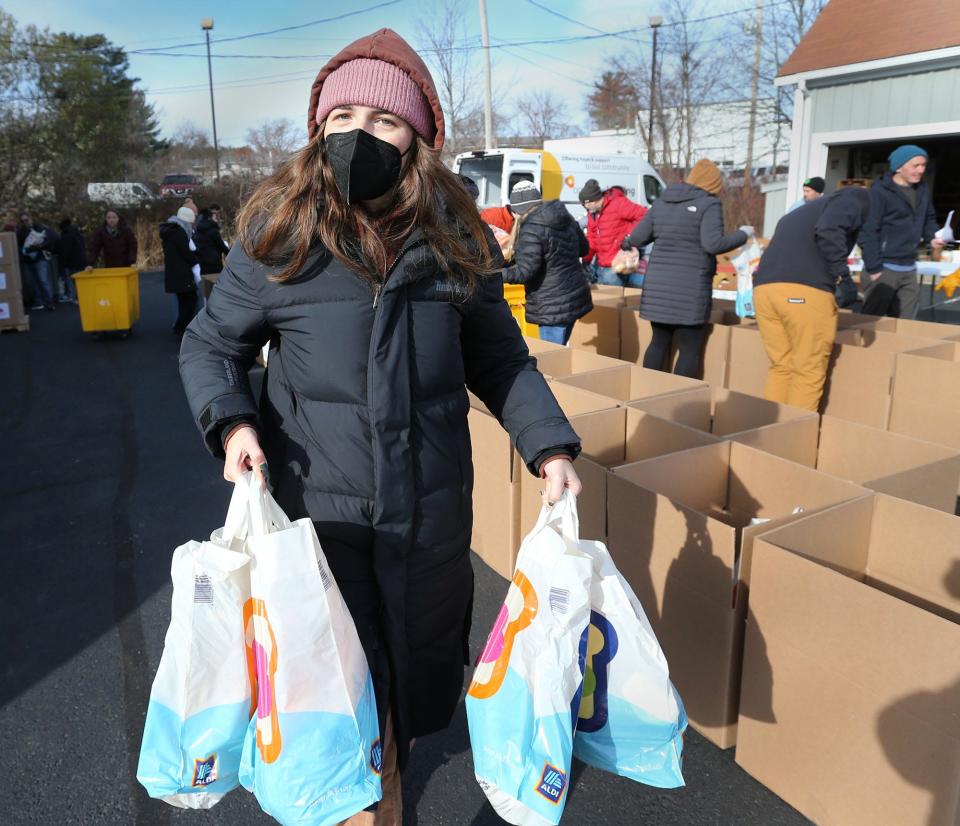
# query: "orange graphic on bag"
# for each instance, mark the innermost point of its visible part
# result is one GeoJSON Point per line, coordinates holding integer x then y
{"type": "Point", "coordinates": [516, 613]}
{"type": "Point", "coordinates": [262, 667]}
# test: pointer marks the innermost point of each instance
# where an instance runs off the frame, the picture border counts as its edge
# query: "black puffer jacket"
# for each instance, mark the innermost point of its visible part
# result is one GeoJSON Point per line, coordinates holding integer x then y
{"type": "Point", "coordinates": [686, 224]}
{"type": "Point", "coordinates": [178, 258]}
{"type": "Point", "coordinates": [547, 263]}
{"type": "Point", "coordinates": [210, 245]}
{"type": "Point", "coordinates": [363, 418]}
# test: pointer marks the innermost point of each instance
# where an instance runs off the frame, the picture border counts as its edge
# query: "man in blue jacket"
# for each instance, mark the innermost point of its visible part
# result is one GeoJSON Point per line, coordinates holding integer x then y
{"type": "Point", "coordinates": [901, 216]}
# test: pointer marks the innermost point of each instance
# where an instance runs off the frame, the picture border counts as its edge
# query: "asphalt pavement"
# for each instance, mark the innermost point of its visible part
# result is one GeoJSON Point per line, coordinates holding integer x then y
{"type": "Point", "coordinates": [104, 474]}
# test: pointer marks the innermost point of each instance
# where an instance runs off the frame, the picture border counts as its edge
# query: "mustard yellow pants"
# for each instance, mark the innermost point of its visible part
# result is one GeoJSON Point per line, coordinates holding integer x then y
{"type": "Point", "coordinates": [798, 325]}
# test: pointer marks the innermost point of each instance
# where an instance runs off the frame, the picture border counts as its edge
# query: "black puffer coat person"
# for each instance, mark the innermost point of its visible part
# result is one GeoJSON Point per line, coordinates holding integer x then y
{"type": "Point", "coordinates": [178, 258]}
{"type": "Point", "coordinates": [363, 421]}
{"type": "Point", "coordinates": [210, 244]}
{"type": "Point", "coordinates": [547, 262]}
{"type": "Point", "coordinates": [686, 225]}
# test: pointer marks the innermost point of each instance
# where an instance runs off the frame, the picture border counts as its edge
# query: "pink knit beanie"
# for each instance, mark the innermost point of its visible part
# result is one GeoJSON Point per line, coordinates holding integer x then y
{"type": "Point", "coordinates": [376, 83]}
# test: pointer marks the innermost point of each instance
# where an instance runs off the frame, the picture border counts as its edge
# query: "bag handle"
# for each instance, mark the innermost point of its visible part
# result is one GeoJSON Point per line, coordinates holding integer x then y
{"type": "Point", "coordinates": [564, 511]}
{"type": "Point", "coordinates": [236, 526]}
{"type": "Point", "coordinates": [266, 516]}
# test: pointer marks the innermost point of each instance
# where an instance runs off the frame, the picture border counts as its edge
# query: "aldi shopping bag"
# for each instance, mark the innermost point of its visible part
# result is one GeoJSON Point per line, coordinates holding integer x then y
{"type": "Point", "coordinates": [525, 693]}
{"type": "Point", "coordinates": [312, 753]}
{"type": "Point", "coordinates": [746, 263]}
{"type": "Point", "coordinates": [201, 700]}
{"type": "Point", "coordinates": [631, 719]}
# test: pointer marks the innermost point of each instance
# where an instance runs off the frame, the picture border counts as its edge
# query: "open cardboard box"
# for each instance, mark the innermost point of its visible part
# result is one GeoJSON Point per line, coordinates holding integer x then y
{"type": "Point", "coordinates": [850, 702]}
{"type": "Point", "coordinates": [537, 345]}
{"type": "Point", "coordinates": [609, 438]}
{"type": "Point", "coordinates": [912, 469]}
{"type": "Point", "coordinates": [926, 396]}
{"type": "Point", "coordinates": [498, 471]}
{"type": "Point", "coordinates": [747, 364]}
{"type": "Point", "coordinates": [599, 330]}
{"type": "Point", "coordinates": [861, 374]}
{"type": "Point", "coordinates": [628, 383]}
{"type": "Point", "coordinates": [781, 429]}
{"type": "Point", "coordinates": [568, 361]}
{"type": "Point", "coordinates": [679, 529]}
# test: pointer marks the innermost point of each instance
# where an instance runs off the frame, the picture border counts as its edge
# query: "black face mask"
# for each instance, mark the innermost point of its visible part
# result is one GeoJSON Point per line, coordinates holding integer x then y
{"type": "Point", "coordinates": [364, 166]}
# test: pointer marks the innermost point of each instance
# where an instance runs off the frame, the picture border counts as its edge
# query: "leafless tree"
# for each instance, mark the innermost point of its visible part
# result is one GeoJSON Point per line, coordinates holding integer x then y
{"type": "Point", "coordinates": [442, 35]}
{"type": "Point", "coordinates": [785, 23]}
{"type": "Point", "coordinates": [543, 116]}
{"type": "Point", "coordinates": [273, 141]}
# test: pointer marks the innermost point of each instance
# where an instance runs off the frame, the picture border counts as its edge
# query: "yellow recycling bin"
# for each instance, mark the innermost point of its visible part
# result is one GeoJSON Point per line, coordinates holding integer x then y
{"type": "Point", "coordinates": [109, 299]}
{"type": "Point", "coordinates": [516, 297]}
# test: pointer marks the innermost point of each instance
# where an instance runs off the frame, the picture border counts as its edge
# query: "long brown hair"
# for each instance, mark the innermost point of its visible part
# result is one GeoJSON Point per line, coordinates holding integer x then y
{"type": "Point", "coordinates": [300, 205]}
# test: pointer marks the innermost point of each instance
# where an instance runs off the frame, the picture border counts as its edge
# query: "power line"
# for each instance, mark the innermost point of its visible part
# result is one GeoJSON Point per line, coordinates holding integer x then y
{"type": "Point", "coordinates": [333, 19]}
{"type": "Point", "coordinates": [548, 10]}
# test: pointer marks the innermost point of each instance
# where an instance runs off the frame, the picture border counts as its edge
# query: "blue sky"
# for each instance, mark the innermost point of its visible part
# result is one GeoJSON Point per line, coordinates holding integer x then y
{"type": "Point", "coordinates": [249, 91]}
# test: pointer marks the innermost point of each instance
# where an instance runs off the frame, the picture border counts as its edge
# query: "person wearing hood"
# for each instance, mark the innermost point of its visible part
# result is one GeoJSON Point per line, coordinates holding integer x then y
{"type": "Point", "coordinates": [548, 247]}
{"type": "Point", "coordinates": [794, 292]}
{"type": "Point", "coordinates": [610, 217]}
{"type": "Point", "coordinates": [365, 265]}
{"type": "Point", "coordinates": [686, 222]}
{"type": "Point", "coordinates": [115, 241]}
{"type": "Point", "coordinates": [179, 260]}
{"type": "Point", "coordinates": [901, 217]}
{"type": "Point", "coordinates": [211, 248]}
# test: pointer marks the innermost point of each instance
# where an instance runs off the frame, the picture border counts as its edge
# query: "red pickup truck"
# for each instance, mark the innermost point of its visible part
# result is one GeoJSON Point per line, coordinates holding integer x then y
{"type": "Point", "coordinates": [179, 185]}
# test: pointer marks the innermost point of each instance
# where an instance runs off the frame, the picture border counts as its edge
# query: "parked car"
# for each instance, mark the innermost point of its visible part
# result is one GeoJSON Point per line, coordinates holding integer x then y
{"type": "Point", "coordinates": [179, 185]}
{"type": "Point", "coordinates": [120, 193]}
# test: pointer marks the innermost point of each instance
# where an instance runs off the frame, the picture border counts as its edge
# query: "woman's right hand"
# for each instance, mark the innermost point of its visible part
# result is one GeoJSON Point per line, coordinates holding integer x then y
{"type": "Point", "coordinates": [244, 453]}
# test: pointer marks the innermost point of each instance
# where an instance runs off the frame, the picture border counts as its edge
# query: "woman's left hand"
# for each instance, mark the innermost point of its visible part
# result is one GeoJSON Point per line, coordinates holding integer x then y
{"type": "Point", "coordinates": [560, 476]}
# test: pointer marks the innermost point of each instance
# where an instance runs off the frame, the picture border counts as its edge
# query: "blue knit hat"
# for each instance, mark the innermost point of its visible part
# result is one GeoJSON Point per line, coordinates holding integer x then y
{"type": "Point", "coordinates": [904, 153]}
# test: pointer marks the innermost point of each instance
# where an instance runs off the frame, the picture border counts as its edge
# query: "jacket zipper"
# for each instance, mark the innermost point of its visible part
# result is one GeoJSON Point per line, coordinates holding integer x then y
{"type": "Point", "coordinates": [376, 315]}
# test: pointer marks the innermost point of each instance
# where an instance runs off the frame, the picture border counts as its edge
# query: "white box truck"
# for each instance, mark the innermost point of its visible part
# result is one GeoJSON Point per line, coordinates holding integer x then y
{"type": "Point", "coordinates": [559, 175]}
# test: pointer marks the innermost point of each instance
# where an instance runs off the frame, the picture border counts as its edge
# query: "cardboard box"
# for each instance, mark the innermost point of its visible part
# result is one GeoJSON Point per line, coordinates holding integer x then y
{"type": "Point", "coordinates": [926, 395]}
{"type": "Point", "coordinates": [919, 471]}
{"type": "Point", "coordinates": [599, 330]}
{"type": "Point", "coordinates": [498, 471]}
{"type": "Point", "coordinates": [636, 334]}
{"type": "Point", "coordinates": [747, 364]}
{"type": "Point", "coordinates": [679, 529]}
{"type": "Point", "coordinates": [861, 375]}
{"type": "Point", "coordinates": [609, 438]}
{"type": "Point", "coordinates": [630, 383]}
{"type": "Point", "coordinates": [536, 345]}
{"type": "Point", "coordinates": [568, 361]}
{"type": "Point", "coordinates": [850, 705]}
{"type": "Point", "coordinates": [632, 296]}
{"type": "Point", "coordinates": [781, 429]}
{"type": "Point", "coordinates": [847, 319]}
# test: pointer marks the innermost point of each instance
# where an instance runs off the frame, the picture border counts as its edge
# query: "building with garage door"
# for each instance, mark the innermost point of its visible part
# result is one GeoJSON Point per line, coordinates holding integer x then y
{"type": "Point", "coordinates": [871, 75]}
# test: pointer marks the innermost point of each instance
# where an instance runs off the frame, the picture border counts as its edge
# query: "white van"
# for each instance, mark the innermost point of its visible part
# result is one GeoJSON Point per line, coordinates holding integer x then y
{"type": "Point", "coordinates": [557, 174]}
{"type": "Point", "coordinates": [120, 193]}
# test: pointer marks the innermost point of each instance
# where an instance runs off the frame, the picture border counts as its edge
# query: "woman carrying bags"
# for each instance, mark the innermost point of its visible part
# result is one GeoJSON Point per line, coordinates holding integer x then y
{"type": "Point", "coordinates": [686, 224]}
{"type": "Point", "coordinates": [548, 245]}
{"type": "Point", "coordinates": [364, 263]}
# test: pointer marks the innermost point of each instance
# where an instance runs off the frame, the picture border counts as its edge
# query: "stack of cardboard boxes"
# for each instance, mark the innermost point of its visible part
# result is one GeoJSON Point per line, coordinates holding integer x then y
{"type": "Point", "coordinates": [12, 313]}
{"type": "Point", "coordinates": [802, 572]}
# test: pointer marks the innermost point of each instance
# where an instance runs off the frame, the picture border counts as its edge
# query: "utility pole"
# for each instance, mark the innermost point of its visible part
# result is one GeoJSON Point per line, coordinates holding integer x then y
{"type": "Point", "coordinates": [754, 91]}
{"type": "Point", "coordinates": [207, 24]}
{"type": "Point", "coordinates": [487, 90]}
{"type": "Point", "coordinates": [655, 24]}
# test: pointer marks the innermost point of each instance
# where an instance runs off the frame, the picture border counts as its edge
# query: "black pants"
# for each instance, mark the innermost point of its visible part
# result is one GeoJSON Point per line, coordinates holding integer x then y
{"type": "Point", "coordinates": [689, 342]}
{"type": "Point", "coordinates": [186, 309]}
